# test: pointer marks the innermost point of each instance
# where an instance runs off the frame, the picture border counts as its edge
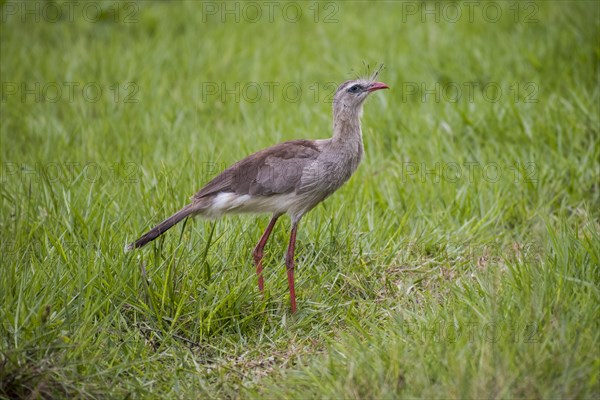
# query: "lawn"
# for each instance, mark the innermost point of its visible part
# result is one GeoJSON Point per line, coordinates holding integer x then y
{"type": "Point", "coordinates": [460, 261]}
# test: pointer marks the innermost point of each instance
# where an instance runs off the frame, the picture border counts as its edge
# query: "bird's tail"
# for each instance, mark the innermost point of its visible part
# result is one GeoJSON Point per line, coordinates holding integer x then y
{"type": "Point", "coordinates": [162, 227]}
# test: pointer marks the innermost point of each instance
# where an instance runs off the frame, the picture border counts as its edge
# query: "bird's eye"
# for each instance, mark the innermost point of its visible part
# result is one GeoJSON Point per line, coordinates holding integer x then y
{"type": "Point", "coordinates": [354, 89]}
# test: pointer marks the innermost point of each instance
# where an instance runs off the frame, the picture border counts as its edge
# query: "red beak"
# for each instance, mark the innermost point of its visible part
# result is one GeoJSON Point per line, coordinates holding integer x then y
{"type": "Point", "coordinates": [377, 86]}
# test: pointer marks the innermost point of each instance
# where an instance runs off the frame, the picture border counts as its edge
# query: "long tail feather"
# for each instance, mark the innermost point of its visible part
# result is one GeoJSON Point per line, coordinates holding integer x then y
{"type": "Point", "coordinates": [162, 227]}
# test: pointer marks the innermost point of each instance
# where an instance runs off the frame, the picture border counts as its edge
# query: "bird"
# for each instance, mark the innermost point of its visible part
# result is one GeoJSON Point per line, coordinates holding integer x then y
{"type": "Point", "coordinates": [288, 178]}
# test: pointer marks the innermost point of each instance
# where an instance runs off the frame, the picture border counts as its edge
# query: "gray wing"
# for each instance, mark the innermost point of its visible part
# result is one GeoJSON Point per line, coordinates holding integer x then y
{"type": "Point", "coordinates": [274, 170]}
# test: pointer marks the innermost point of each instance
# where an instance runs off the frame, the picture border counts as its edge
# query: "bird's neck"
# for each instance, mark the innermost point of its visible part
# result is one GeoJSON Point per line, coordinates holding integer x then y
{"type": "Point", "coordinates": [346, 127]}
{"type": "Point", "coordinates": [347, 139]}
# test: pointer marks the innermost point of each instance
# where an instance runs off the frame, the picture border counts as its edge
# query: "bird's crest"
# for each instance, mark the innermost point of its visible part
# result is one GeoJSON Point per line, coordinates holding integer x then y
{"type": "Point", "coordinates": [367, 74]}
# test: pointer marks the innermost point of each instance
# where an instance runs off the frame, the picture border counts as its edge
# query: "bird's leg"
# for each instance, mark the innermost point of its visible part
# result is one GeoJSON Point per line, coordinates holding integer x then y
{"type": "Point", "coordinates": [289, 263]}
{"type": "Point", "coordinates": [258, 252]}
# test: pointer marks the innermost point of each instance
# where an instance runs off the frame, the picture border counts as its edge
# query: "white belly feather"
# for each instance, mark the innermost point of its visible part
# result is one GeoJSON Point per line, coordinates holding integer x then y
{"type": "Point", "coordinates": [232, 202]}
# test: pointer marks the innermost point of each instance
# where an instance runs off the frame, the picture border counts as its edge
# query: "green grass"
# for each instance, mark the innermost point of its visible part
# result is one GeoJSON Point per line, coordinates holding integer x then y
{"type": "Point", "coordinates": [412, 281]}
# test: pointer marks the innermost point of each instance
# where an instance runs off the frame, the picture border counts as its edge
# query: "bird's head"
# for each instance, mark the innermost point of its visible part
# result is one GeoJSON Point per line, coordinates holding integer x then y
{"type": "Point", "coordinates": [350, 95]}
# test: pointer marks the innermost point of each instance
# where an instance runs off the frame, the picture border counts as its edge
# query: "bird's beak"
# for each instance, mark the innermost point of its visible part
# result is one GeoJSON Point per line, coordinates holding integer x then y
{"type": "Point", "coordinates": [377, 86]}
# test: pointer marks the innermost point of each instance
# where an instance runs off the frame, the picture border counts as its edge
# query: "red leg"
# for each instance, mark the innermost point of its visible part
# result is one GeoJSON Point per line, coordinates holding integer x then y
{"type": "Point", "coordinates": [289, 263]}
{"type": "Point", "coordinates": [258, 252]}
